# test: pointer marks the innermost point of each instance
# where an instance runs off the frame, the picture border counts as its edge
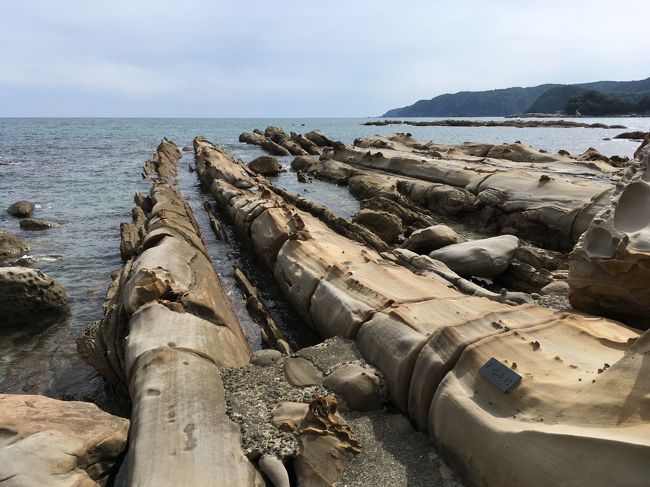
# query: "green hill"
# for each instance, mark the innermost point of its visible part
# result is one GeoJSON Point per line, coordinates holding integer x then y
{"type": "Point", "coordinates": [547, 98]}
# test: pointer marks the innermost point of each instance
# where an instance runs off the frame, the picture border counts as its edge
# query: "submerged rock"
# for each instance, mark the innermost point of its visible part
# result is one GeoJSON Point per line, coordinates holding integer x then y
{"type": "Point", "coordinates": [47, 442]}
{"type": "Point", "coordinates": [11, 245]}
{"type": "Point", "coordinates": [21, 209]}
{"type": "Point", "coordinates": [37, 224]}
{"type": "Point", "coordinates": [30, 298]}
{"type": "Point", "coordinates": [488, 257]}
{"type": "Point", "coordinates": [265, 165]}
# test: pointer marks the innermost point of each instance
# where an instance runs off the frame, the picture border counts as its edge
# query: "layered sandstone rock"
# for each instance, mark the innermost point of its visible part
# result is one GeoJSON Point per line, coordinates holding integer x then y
{"type": "Point", "coordinates": [432, 238]}
{"type": "Point", "coordinates": [422, 334]}
{"type": "Point", "coordinates": [167, 331]}
{"type": "Point", "coordinates": [549, 203]}
{"type": "Point", "coordinates": [163, 162]}
{"type": "Point", "coordinates": [30, 298]}
{"type": "Point", "coordinates": [57, 443]}
{"type": "Point", "coordinates": [609, 271]}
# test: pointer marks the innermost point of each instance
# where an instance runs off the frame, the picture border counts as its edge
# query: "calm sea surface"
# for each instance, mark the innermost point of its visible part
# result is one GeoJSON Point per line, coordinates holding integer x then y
{"type": "Point", "coordinates": [83, 173]}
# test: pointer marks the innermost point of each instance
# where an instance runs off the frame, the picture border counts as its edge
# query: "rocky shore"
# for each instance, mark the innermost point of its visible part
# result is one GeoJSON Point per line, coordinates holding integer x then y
{"type": "Point", "coordinates": [451, 353]}
{"type": "Point", "coordinates": [494, 123]}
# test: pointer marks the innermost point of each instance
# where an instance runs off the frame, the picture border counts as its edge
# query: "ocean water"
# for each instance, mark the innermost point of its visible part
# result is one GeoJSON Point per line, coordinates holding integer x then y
{"type": "Point", "coordinates": [83, 173]}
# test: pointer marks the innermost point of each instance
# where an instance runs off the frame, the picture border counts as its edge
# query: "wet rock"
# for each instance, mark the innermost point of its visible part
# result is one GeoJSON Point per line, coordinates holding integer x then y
{"type": "Point", "coordinates": [11, 245]}
{"type": "Point", "coordinates": [634, 135]}
{"type": "Point", "coordinates": [482, 258]}
{"type": "Point", "coordinates": [609, 266]}
{"type": "Point", "coordinates": [265, 165]}
{"type": "Point", "coordinates": [264, 358]}
{"type": "Point", "coordinates": [187, 148]}
{"type": "Point", "coordinates": [432, 238]}
{"type": "Point", "coordinates": [303, 163]}
{"type": "Point", "coordinates": [301, 372]}
{"type": "Point", "coordinates": [57, 443]}
{"type": "Point", "coordinates": [21, 209]}
{"type": "Point", "coordinates": [306, 144]}
{"type": "Point", "coordinates": [36, 224]}
{"type": "Point", "coordinates": [30, 298]}
{"type": "Point", "coordinates": [358, 385]}
{"type": "Point", "coordinates": [385, 225]}
{"type": "Point", "coordinates": [302, 177]}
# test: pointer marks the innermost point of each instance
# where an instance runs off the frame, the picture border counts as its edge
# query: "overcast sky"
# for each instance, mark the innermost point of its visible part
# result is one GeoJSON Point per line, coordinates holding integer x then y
{"type": "Point", "coordinates": [247, 58]}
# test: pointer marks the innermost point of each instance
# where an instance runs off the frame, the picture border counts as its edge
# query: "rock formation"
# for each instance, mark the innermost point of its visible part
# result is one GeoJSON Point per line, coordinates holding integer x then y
{"type": "Point", "coordinates": [432, 238]}
{"type": "Point", "coordinates": [265, 165]}
{"type": "Point", "coordinates": [11, 245]}
{"type": "Point", "coordinates": [163, 162]}
{"type": "Point", "coordinates": [29, 298]}
{"type": "Point", "coordinates": [37, 224]}
{"type": "Point", "coordinates": [583, 378]}
{"type": "Point", "coordinates": [21, 209]}
{"type": "Point", "coordinates": [57, 443]}
{"type": "Point", "coordinates": [167, 331]}
{"type": "Point", "coordinates": [276, 142]}
{"type": "Point", "coordinates": [609, 271]}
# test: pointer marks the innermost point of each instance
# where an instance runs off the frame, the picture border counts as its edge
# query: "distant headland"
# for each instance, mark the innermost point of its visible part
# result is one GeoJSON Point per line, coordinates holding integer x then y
{"type": "Point", "coordinates": [600, 98]}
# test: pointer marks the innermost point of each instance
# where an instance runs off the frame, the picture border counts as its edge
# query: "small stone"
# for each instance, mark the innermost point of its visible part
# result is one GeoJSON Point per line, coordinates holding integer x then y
{"type": "Point", "coordinates": [301, 372]}
{"type": "Point", "coordinates": [21, 209]}
{"type": "Point", "coordinates": [265, 358]}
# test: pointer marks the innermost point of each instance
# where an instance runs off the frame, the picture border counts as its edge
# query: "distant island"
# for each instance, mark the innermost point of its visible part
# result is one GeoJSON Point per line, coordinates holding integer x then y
{"type": "Point", "coordinates": [600, 98]}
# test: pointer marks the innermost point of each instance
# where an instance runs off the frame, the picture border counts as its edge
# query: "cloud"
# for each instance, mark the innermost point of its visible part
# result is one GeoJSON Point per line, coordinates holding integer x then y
{"type": "Point", "coordinates": [298, 58]}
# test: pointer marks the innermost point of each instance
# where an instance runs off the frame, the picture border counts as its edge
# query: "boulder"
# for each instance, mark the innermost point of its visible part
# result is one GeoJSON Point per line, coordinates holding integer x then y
{"type": "Point", "coordinates": [610, 265]}
{"type": "Point", "coordinates": [57, 443]}
{"type": "Point", "coordinates": [21, 209]}
{"type": "Point", "coordinates": [272, 131]}
{"type": "Point", "coordinates": [319, 138]}
{"type": "Point", "coordinates": [432, 238]}
{"type": "Point", "coordinates": [385, 225]}
{"type": "Point", "coordinates": [30, 298]}
{"type": "Point", "coordinates": [555, 288]}
{"type": "Point", "coordinates": [300, 372]}
{"type": "Point", "coordinates": [358, 385]}
{"type": "Point", "coordinates": [129, 240]}
{"type": "Point", "coordinates": [11, 245]}
{"type": "Point", "coordinates": [303, 163]}
{"type": "Point", "coordinates": [481, 258]}
{"type": "Point", "coordinates": [634, 135]}
{"type": "Point", "coordinates": [36, 224]}
{"type": "Point", "coordinates": [265, 165]}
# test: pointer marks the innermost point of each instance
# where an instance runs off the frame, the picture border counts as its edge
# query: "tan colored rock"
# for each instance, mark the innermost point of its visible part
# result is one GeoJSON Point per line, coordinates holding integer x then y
{"type": "Point", "coordinates": [328, 444]}
{"type": "Point", "coordinates": [609, 270]}
{"type": "Point", "coordinates": [163, 162]}
{"type": "Point", "coordinates": [358, 385]}
{"type": "Point", "coordinates": [265, 165]}
{"type": "Point", "coordinates": [57, 443]}
{"type": "Point", "coordinates": [429, 340]}
{"type": "Point", "coordinates": [385, 225]}
{"type": "Point", "coordinates": [483, 258]}
{"type": "Point", "coordinates": [303, 163]}
{"type": "Point", "coordinates": [432, 238]}
{"type": "Point", "coordinates": [129, 240]}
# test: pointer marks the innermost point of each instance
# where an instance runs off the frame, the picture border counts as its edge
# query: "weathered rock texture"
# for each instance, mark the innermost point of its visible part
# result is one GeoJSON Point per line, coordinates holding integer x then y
{"type": "Point", "coordinates": [57, 443]}
{"type": "Point", "coordinates": [163, 162]}
{"type": "Point", "coordinates": [11, 245]}
{"type": "Point", "coordinates": [277, 142]}
{"type": "Point", "coordinates": [36, 224]}
{"type": "Point", "coordinates": [610, 264]}
{"type": "Point", "coordinates": [543, 199]}
{"type": "Point", "coordinates": [168, 329]}
{"type": "Point", "coordinates": [429, 341]}
{"type": "Point", "coordinates": [30, 298]}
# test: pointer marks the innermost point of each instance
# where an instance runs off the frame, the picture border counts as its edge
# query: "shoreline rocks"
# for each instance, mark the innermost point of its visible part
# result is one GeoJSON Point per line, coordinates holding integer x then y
{"type": "Point", "coordinates": [57, 443]}
{"type": "Point", "coordinates": [29, 298]}
{"type": "Point", "coordinates": [495, 123]}
{"type": "Point", "coordinates": [21, 209]}
{"type": "Point", "coordinates": [11, 245]}
{"type": "Point", "coordinates": [37, 224]}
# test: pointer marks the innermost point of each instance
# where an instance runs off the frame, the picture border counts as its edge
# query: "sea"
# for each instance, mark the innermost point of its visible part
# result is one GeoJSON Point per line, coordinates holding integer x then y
{"type": "Point", "coordinates": [83, 173]}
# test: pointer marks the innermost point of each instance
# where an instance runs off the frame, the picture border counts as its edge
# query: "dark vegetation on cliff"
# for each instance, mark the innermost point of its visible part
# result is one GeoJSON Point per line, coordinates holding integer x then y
{"type": "Point", "coordinates": [547, 98]}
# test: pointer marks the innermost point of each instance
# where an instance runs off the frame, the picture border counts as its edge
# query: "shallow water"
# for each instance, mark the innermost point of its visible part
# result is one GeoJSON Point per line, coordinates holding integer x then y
{"type": "Point", "coordinates": [83, 173]}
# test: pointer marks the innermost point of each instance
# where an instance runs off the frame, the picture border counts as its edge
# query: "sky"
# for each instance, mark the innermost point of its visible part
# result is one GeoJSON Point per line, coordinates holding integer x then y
{"type": "Point", "coordinates": [354, 58]}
